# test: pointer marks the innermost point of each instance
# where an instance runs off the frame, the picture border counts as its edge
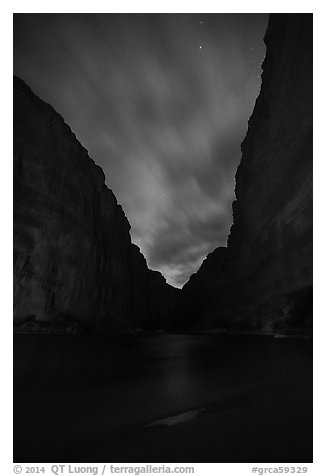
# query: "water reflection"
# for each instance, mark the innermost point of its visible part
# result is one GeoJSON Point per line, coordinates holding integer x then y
{"type": "Point", "coordinates": [75, 387]}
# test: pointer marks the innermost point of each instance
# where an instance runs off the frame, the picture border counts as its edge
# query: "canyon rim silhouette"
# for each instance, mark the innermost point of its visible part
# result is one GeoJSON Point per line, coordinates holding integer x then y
{"type": "Point", "coordinates": [163, 238]}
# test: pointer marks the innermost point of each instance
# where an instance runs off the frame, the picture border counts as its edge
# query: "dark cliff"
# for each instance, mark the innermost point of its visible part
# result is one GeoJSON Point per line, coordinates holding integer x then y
{"type": "Point", "coordinates": [263, 278]}
{"type": "Point", "coordinates": [74, 263]}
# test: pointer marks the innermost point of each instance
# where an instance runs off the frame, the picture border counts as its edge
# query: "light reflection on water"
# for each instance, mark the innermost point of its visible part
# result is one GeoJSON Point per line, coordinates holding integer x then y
{"type": "Point", "coordinates": [146, 378]}
{"type": "Point", "coordinates": [127, 398]}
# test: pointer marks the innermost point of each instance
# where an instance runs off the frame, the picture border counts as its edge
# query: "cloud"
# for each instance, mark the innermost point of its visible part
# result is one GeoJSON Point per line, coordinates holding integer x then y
{"type": "Point", "coordinates": [163, 118]}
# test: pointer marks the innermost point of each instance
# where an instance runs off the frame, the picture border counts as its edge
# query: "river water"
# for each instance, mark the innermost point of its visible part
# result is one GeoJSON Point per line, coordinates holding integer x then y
{"type": "Point", "coordinates": [162, 398]}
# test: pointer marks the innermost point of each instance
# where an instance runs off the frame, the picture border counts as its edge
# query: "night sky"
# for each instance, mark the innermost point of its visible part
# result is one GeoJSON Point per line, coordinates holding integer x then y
{"type": "Point", "coordinates": [161, 102]}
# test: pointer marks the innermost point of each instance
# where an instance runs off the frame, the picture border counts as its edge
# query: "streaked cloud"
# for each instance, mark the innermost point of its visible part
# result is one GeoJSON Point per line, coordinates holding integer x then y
{"type": "Point", "coordinates": [162, 117]}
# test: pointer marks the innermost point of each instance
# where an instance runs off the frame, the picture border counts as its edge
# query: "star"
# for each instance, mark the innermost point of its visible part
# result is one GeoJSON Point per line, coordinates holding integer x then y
{"type": "Point", "coordinates": [200, 47]}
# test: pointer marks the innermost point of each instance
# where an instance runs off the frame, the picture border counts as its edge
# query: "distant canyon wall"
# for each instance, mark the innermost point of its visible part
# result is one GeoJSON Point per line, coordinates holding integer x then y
{"type": "Point", "coordinates": [263, 278]}
{"type": "Point", "coordinates": [74, 263]}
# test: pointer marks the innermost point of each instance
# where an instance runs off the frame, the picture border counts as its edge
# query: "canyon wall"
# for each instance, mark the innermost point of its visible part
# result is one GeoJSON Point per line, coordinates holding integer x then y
{"type": "Point", "coordinates": [74, 264]}
{"type": "Point", "coordinates": [263, 279]}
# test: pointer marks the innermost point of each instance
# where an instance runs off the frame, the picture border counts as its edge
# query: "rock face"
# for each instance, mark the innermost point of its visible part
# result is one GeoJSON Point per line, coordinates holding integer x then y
{"type": "Point", "coordinates": [263, 278]}
{"type": "Point", "coordinates": [73, 258]}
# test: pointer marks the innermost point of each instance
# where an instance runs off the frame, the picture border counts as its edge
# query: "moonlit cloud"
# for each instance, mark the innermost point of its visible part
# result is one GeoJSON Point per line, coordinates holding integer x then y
{"type": "Point", "coordinates": [163, 117]}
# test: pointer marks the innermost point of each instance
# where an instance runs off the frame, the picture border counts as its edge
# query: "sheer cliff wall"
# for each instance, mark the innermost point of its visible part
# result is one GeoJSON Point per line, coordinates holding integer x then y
{"type": "Point", "coordinates": [263, 278]}
{"type": "Point", "coordinates": [74, 262]}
